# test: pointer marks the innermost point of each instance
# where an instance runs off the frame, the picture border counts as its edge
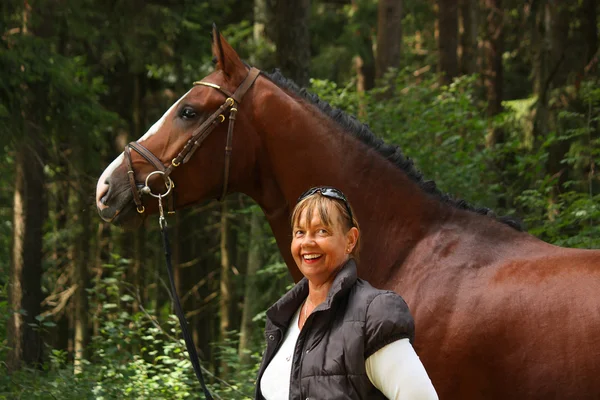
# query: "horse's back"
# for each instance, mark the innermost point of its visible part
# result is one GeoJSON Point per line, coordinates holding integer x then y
{"type": "Point", "coordinates": [525, 327]}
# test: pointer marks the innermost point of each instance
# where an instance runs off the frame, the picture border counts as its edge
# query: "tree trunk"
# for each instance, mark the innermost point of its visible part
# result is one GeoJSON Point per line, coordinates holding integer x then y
{"type": "Point", "coordinates": [551, 40]}
{"type": "Point", "coordinates": [239, 253]}
{"type": "Point", "coordinates": [545, 67]}
{"type": "Point", "coordinates": [590, 28]}
{"type": "Point", "coordinates": [251, 292]}
{"type": "Point", "coordinates": [448, 39]}
{"type": "Point", "coordinates": [364, 61]}
{"type": "Point", "coordinates": [81, 279]}
{"type": "Point", "coordinates": [225, 284]}
{"type": "Point", "coordinates": [58, 337]}
{"type": "Point", "coordinates": [100, 256]}
{"type": "Point", "coordinates": [260, 19]}
{"type": "Point", "coordinates": [494, 74]}
{"type": "Point", "coordinates": [136, 272]}
{"type": "Point", "coordinates": [541, 72]}
{"type": "Point", "coordinates": [468, 37]}
{"type": "Point", "coordinates": [25, 294]}
{"type": "Point", "coordinates": [560, 18]}
{"type": "Point", "coordinates": [200, 244]}
{"type": "Point", "coordinates": [389, 36]}
{"type": "Point", "coordinates": [292, 39]}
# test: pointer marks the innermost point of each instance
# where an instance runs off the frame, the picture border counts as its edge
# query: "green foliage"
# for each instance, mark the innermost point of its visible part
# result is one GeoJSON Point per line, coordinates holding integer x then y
{"type": "Point", "coordinates": [566, 214]}
{"type": "Point", "coordinates": [440, 127]}
{"type": "Point", "coordinates": [243, 385]}
{"type": "Point", "coordinates": [70, 78]}
{"type": "Point", "coordinates": [134, 356]}
{"type": "Point", "coordinates": [57, 92]}
{"type": "Point", "coordinates": [444, 128]}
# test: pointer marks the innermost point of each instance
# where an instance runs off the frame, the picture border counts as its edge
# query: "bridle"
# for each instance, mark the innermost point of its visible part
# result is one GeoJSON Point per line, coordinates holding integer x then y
{"type": "Point", "coordinates": [201, 133]}
{"type": "Point", "coordinates": [198, 136]}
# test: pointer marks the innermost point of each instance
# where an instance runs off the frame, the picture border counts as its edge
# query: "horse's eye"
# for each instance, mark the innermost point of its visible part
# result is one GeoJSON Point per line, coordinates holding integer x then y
{"type": "Point", "coordinates": [188, 113]}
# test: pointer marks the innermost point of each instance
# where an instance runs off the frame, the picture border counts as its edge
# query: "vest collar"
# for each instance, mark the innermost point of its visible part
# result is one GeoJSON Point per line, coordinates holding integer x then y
{"type": "Point", "coordinates": [282, 311]}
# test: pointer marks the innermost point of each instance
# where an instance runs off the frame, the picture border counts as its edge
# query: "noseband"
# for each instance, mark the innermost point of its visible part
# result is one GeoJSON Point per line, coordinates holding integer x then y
{"type": "Point", "coordinates": [201, 133]}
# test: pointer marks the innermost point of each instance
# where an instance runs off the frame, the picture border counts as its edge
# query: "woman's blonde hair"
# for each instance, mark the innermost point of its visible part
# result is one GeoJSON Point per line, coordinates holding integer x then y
{"type": "Point", "coordinates": [320, 204]}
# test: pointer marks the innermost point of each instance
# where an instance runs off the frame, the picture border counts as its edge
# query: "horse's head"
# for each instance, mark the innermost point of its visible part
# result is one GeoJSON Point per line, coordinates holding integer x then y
{"type": "Point", "coordinates": [189, 144]}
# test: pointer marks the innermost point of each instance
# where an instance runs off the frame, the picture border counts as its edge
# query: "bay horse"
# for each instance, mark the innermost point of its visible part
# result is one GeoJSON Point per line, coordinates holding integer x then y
{"type": "Point", "coordinates": [499, 314]}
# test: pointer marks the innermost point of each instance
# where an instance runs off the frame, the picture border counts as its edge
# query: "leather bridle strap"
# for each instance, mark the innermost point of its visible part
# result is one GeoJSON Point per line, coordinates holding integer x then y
{"type": "Point", "coordinates": [152, 159]}
{"type": "Point", "coordinates": [237, 96]}
{"type": "Point", "coordinates": [147, 154]}
{"type": "Point", "coordinates": [198, 136]}
{"type": "Point", "coordinates": [137, 199]}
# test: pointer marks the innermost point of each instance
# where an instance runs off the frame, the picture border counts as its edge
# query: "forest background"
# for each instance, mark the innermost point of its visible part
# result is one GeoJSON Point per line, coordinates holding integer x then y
{"type": "Point", "coordinates": [495, 100]}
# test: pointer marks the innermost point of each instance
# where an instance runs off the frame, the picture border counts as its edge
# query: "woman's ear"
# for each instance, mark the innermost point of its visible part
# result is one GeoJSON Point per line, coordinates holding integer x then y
{"type": "Point", "coordinates": [227, 59]}
{"type": "Point", "coordinates": [352, 238]}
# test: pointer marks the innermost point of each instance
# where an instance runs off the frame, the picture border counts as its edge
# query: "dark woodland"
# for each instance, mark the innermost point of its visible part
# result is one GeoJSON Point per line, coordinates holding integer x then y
{"type": "Point", "coordinates": [494, 103]}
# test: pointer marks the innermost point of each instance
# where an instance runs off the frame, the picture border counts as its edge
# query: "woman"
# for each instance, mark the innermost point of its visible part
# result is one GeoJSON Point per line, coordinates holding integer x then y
{"type": "Point", "coordinates": [333, 336]}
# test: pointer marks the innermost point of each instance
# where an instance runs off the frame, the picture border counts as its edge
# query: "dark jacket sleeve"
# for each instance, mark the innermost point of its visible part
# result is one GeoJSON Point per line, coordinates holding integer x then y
{"type": "Point", "coordinates": [388, 319]}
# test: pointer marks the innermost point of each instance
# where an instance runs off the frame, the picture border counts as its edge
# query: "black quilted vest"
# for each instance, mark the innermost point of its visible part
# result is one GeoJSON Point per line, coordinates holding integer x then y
{"type": "Point", "coordinates": [353, 322]}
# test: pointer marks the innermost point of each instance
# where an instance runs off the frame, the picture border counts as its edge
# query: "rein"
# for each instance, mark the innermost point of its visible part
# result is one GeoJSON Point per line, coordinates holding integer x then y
{"type": "Point", "coordinates": [201, 133]}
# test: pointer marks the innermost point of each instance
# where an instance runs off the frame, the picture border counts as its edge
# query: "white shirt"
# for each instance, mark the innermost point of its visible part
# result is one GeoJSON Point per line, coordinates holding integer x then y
{"type": "Point", "coordinates": [395, 370]}
{"type": "Point", "coordinates": [398, 373]}
{"type": "Point", "coordinates": [275, 382]}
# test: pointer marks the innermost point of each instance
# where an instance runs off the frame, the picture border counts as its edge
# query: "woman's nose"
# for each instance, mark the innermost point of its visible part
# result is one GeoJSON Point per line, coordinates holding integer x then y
{"type": "Point", "coordinates": [308, 240]}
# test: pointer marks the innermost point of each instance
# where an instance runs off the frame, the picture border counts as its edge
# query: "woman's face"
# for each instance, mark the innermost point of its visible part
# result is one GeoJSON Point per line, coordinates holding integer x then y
{"type": "Point", "coordinates": [320, 250]}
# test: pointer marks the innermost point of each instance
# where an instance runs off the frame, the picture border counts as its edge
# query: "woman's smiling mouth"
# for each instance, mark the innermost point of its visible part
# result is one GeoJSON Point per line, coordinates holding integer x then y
{"type": "Point", "coordinates": [311, 257]}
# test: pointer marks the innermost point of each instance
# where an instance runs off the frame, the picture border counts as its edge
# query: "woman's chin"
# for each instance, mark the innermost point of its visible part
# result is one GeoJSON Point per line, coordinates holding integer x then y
{"type": "Point", "coordinates": [317, 273]}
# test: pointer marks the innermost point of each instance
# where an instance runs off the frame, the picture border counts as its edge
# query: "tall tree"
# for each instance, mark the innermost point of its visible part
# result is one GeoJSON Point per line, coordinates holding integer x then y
{"type": "Point", "coordinates": [29, 209]}
{"type": "Point", "coordinates": [137, 117]}
{"type": "Point", "coordinates": [292, 39]}
{"type": "Point", "coordinates": [225, 295]}
{"type": "Point", "coordinates": [558, 36]}
{"type": "Point", "coordinates": [549, 57]}
{"type": "Point", "coordinates": [25, 293]}
{"type": "Point", "coordinates": [251, 292]}
{"type": "Point", "coordinates": [448, 39]}
{"type": "Point", "coordinates": [260, 19]}
{"type": "Point", "coordinates": [389, 36]}
{"type": "Point", "coordinates": [589, 17]}
{"type": "Point", "coordinates": [364, 61]}
{"type": "Point", "coordinates": [551, 37]}
{"type": "Point", "coordinates": [468, 36]}
{"type": "Point", "coordinates": [81, 277]}
{"type": "Point", "coordinates": [494, 72]}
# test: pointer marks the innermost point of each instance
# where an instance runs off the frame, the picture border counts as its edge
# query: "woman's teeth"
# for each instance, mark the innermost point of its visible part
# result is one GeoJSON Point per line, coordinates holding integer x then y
{"type": "Point", "coordinates": [311, 256]}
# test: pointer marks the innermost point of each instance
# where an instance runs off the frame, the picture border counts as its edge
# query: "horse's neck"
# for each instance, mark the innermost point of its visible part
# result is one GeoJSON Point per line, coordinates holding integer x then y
{"type": "Point", "coordinates": [306, 148]}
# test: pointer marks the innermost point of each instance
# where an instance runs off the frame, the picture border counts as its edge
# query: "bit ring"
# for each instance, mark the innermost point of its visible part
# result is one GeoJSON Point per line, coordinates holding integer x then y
{"type": "Point", "coordinates": [168, 184]}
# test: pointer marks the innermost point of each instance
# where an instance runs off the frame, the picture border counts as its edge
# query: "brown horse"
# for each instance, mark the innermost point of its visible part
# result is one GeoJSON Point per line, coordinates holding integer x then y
{"type": "Point", "coordinates": [499, 314]}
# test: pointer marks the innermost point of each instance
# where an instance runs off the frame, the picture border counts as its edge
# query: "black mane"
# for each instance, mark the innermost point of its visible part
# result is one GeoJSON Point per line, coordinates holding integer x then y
{"type": "Point", "coordinates": [392, 153]}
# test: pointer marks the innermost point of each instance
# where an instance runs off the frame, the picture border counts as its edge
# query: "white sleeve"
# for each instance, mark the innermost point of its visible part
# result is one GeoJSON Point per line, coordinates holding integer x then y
{"type": "Point", "coordinates": [398, 373]}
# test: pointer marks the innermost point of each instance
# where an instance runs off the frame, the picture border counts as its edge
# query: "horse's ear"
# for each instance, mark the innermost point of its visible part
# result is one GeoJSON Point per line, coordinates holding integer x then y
{"type": "Point", "coordinates": [227, 59]}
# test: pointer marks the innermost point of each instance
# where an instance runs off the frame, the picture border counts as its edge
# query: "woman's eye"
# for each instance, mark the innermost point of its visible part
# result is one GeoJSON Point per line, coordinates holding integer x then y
{"type": "Point", "coordinates": [298, 233]}
{"type": "Point", "coordinates": [188, 113]}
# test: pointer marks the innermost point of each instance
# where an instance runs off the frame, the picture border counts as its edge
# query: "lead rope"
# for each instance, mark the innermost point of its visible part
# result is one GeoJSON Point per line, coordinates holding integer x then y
{"type": "Point", "coordinates": [189, 342]}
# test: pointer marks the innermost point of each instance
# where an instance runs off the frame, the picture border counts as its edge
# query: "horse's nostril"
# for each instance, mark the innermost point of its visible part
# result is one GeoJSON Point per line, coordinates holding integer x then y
{"type": "Point", "coordinates": [105, 192]}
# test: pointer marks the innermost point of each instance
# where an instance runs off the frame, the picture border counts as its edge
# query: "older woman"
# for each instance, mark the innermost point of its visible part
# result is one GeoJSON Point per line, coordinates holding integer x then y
{"type": "Point", "coordinates": [333, 336]}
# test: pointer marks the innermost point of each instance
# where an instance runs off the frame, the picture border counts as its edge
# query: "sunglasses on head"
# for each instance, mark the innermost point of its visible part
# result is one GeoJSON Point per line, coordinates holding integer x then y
{"type": "Point", "coordinates": [331, 193]}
